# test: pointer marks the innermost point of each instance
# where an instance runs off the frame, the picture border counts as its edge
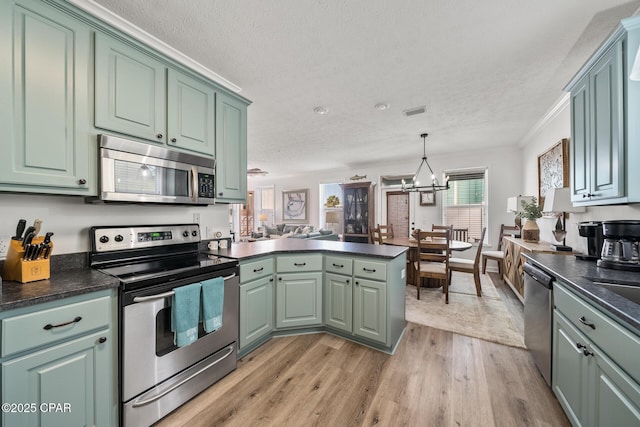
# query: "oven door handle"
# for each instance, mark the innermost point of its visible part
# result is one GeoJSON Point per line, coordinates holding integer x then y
{"type": "Point", "coordinates": [168, 294]}
{"type": "Point", "coordinates": [163, 393]}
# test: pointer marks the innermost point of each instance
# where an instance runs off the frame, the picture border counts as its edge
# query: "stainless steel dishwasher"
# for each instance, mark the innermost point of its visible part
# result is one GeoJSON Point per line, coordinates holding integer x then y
{"type": "Point", "coordinates": [538, 312]}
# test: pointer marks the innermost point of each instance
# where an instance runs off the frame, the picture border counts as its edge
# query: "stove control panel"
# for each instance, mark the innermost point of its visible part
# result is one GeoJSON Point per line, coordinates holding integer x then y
{"type": "Point", "coordinates": [105, 239]}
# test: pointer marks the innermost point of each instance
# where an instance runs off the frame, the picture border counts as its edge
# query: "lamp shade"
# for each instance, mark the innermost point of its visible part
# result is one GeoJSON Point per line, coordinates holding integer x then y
{"type": "Point", "coordinates": [262, 217]}
{"type": "Point", "coordinates": [333, 217]}
{"type": "Point", "coordinates": [514, 204]}
{"type": "Point", "coordinates": [558, 200]}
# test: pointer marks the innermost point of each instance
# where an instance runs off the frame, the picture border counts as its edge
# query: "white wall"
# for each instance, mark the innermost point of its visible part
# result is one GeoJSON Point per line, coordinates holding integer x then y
{"type": "Point", "coordinates": [552, 128]}
{"type": "Point", "coordinates": [505, 179]}
{"type": "Point", "coordinates": [70, 218]}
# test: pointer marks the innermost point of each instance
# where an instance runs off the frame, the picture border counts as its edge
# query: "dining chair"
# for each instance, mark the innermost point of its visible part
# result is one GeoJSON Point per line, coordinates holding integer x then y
{"type": "Point", "coordinates": [498, 255]}
{"type": "Point", "coordinates": [472, 266]}
{"type": "Point", "coordinates": [386, 231]}
{"type": "Point", "coordinates": [461, 234]}
{"type": "Point", "coordinates": [433, 259]}
{"type": "Point", "coordinates": [374, 236]}
{"type": "Point", "coordinates": [435, 227]}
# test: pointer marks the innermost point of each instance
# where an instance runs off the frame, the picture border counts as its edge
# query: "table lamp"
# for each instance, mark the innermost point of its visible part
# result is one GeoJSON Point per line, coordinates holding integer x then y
{"type": "Point", "coordinates": [514, 205]}
{"type": "Point", "coordinates": [558, 201]}
{"type": "Point", "coordinates": [332, 218]}
{"type": "Point", "coordinates": [262, 218]}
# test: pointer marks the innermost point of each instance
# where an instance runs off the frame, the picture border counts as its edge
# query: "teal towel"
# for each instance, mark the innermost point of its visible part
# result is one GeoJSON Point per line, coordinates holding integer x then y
{"type": "Point", "coordinates": [185, 314]}
{"type": "Point", "coordinates": [212, 304]}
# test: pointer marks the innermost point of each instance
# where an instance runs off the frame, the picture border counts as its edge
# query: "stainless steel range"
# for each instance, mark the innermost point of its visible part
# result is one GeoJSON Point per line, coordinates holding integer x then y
{"type": "Point", "coordinates": [155, 375]}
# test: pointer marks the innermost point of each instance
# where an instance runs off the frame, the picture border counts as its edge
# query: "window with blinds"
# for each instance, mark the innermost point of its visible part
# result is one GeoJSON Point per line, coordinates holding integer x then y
{"type": "Point", "coordinates": [465, 202]}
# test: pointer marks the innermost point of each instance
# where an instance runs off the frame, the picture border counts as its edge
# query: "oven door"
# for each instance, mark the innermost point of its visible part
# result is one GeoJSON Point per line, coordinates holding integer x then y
{"type": "Point", "coordinates": [149, 355]}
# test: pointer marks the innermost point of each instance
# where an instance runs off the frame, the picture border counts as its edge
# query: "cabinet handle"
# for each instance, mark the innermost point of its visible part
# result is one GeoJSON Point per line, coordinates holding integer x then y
{"type": "Point", "coordinates": [102, 340]}
{"type": "Point", "coordinates": [220, 194]}
{"type": "Point", "coordinates": [173, 140]}
{"type": "Point", "coordinates": [257, 270]}
{"type": "Point", "coordinates": [338, 265]}
{"type": "Point", "coordinates": [82, 181]}
{"type": "Point", "coordinates": [271, 280]}
{"type": "Point", "coordinates": [369, 270]}
{"type": "Point", "coordinates": [50, 326]}
{"type": "Point", "coordinates": [583, 320]}
{"type": "Point", "coordinates": [299, 264]}
{"type": "Point", "coordinates": [280, 278]}
{"type": "Point", "coordinates": [580, 346]}
{"type": "Point", "coordinates": [587, 352]}
{"type": "Point", "coordinates": [357, 283]}
{"type": "Point", "coordinates": [159, 136]}
{"type": "Point", "coordinates": [347, 281]}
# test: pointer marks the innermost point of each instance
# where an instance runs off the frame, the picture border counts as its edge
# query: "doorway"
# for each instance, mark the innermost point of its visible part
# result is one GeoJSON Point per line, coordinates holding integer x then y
{"type": "Point", "coordinates": [398, 212]}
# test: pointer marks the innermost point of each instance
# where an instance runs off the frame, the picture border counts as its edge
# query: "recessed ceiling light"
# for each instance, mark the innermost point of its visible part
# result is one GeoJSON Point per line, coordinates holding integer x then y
{"type": "Point", "coordinates": [320, 110]}
{"type": "Point", "coordinates": [381, 106]}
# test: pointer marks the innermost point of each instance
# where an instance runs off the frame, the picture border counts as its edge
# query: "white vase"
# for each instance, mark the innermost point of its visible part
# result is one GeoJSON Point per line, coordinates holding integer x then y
{"type": "Point", "coordinates": [530, 231]}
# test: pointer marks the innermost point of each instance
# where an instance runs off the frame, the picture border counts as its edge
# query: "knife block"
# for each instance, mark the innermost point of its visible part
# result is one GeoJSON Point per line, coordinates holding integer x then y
{"type": "Point", "coordinates": [16, 268]}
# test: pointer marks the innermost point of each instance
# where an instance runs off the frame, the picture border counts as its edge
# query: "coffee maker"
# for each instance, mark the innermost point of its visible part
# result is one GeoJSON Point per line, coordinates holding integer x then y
{"type": "Point", "coordinates": [592, 230]}
{"type": "Point", "coordinates": [621, 242]}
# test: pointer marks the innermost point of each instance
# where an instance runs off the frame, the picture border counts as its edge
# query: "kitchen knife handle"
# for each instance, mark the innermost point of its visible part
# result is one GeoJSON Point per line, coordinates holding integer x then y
{"type": "Point", "coordinates": [20, 229]}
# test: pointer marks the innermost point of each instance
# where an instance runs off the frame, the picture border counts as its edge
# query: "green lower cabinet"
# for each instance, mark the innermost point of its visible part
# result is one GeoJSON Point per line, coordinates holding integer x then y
{"type": "Point", "coordinates": [298, 299]}
{"type": "Point", "coordinates": [44, 107]}
{"type": "Point", "coordinates": [370, 309]}
{"type": "Point", "coordinates": [66, 385]}
{"type": "Point", "coordinates": [338, 309]}
{"type": "Point", "coordinates": [591, 388]}
{"type": "Point", "coordinates": [256, 310]}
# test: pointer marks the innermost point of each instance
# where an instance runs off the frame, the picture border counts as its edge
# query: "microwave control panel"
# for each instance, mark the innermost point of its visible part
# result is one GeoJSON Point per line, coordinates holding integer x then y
{"type": "Point", "coordinates": [206, 188]}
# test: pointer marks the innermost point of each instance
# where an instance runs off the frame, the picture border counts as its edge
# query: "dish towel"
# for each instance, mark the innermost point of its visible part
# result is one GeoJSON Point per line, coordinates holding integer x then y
{"type": "Point", "coordinates": [212, 304]}
{"type": "Point", "coordinates": [185, 314]}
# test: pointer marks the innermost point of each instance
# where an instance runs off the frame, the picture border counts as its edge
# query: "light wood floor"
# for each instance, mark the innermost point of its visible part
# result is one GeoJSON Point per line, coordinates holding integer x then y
{"type": "Point", "coordinates": [436, 378]}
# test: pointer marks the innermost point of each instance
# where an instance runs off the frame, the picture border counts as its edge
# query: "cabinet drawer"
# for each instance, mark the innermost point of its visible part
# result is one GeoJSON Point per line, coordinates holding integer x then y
{"type": "Point", "coordinates": [297, 263]}
{"type": "Point", "coordinates": [256, 269]}
{"type": "Point", "coordinates": [370, 269]}
{"type": "Point", "coordinates": [616, 341]}
{"type": "Point", "coordinates": [31, 330]}
{"type": "Point", "coordinates": [339, 265]}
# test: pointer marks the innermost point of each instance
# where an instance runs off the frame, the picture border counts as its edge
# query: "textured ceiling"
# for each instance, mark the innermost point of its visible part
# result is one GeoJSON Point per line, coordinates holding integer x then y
{"type": "Point", "coordinates": [487, 71]}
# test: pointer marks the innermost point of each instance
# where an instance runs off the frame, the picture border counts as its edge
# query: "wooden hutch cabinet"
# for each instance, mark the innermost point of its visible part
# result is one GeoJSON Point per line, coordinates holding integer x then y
{"type": "Point", "coordinates": [358, 199]}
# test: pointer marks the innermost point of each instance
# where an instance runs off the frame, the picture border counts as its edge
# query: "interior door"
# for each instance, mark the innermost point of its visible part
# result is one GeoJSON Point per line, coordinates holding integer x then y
{"type": "Point", "coordinates": [398, 212]}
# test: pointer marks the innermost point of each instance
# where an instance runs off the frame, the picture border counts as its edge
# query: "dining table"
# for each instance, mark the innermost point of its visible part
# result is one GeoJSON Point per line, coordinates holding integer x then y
{"type": "Point", "coordinates": [412, 255]}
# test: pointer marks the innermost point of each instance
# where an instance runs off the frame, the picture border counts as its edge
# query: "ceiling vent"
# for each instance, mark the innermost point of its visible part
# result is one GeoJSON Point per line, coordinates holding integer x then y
{"type": "Point", "coordinates": [415, 111]}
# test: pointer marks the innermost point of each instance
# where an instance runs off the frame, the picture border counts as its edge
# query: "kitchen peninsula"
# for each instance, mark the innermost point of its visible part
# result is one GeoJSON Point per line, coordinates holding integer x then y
{"type": "Point", "coordinates": [291, 286]}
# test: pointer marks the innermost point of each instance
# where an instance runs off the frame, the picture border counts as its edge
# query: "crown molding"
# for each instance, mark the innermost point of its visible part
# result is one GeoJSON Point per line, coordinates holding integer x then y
{"type": "Point", "coordinates": [558, 107]}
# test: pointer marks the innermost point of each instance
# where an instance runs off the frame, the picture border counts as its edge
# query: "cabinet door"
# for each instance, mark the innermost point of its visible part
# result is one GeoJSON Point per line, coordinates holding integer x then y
{"type": "Point", "coordinates": [76, 376]}
{"type": "Point", "coordinates": [615, 396]}
{"type": "Point", "coordinates": [298, 299]}
{"type": "Point", "coordinates": [130, 94]}
{"type": "Point", "coordinates": [256, 310]}
{"type": "Point", "coordinates": [580, 130]}
{"type": "Point", "coordinates": [338, 302]}
{"type": "Point", "coordinates": [570, 381]}
{"type": "Point", "coordinates": [607, 160]}
{"type": "Point", "coordinates": [231, 149]}
{"type": "Point", "coordinates": [370, 309]}
{"type": "Point", "coordinates": [46, 67]}
{"type": "Point", "coordinates": [190, 114]}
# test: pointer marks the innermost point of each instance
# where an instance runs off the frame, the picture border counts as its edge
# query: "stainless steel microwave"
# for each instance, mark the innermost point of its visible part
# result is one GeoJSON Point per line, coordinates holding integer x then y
{"type": "Point", "coordinates": [132, 171]}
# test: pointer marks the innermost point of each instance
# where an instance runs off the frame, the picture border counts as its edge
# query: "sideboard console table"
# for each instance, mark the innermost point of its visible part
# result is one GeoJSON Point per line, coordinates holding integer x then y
{"type": "Point", "coordinates": [514, 261]}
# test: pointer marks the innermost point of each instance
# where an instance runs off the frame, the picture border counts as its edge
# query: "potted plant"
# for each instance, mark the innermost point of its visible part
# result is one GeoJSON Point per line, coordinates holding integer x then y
{"type": "Point", "coordinates": [530, 212]}
{"type": "Point", "coordinates": [332, 202]}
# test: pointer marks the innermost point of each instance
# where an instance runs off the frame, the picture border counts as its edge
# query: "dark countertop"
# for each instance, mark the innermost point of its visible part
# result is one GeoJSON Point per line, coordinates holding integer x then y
{"type": "Point", "coordinates": [70, 276]}
{"type": "Point", "coordinates": [244, 251]}
{"type": "Point", "coordinates": [580, 275]}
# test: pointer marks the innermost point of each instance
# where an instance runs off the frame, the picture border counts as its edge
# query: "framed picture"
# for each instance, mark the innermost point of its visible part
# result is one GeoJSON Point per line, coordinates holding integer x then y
{"type": "Point", "coordinates": [553, 169]}
{"type": "Point", "coordinates": [294, 205]}
{"type": "Point", "coordinates": [427, 198]}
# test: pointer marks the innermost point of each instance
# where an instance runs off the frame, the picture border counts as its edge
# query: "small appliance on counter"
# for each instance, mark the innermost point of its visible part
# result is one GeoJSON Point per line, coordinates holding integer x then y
{"type": "Point", "coordinates": [621, 242]}
{"type": "Point", "coordinates": [592, 230]}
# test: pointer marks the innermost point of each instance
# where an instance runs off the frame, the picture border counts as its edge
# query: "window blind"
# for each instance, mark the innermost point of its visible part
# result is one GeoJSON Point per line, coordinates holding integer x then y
{"type": "Point", "coordinates": [465, 203]}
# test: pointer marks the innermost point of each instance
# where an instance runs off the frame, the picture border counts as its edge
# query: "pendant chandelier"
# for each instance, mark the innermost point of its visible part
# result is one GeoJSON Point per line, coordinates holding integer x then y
{"type": "Point", "coordinates": [425, 179]}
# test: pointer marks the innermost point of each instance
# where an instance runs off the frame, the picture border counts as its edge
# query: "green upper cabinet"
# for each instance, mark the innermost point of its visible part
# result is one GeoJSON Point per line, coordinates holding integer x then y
{"type": "Point", "coordinates": [596, 102]}
{"type": "Point", "coordinates": [190, 113]}
{"type": "Point", "coordinates": [605, 105]}
{"type": "Point", "coordinates": [44, 81]}
{"type": "Point", "coordinates": [231, 149]}
{"type": "Point", "coordinates": [130, 90]}
{"type": "Point", "coordinates": [140, 96]}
